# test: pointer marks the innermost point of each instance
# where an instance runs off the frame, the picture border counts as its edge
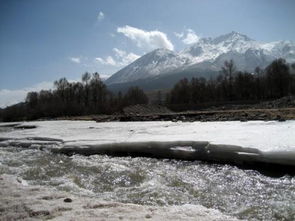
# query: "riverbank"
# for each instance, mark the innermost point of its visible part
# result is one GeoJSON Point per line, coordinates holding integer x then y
{"type": "Point", "coordinates": [281, 109]}
{"type": "Point", "coordinates": [279, 114]}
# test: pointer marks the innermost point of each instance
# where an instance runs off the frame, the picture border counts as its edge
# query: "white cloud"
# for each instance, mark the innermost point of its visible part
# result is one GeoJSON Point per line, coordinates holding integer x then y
{"type": "Point", "coordinates": [119, 53]}
{"type": "Point", "coordinates": [122, 58]}
{"type": "Point", "coordinates": [10, 97]}
{"type": "Point", "coordinates": [75, 60]}
{"type": "Point", "coordinates": [190, 37]}
{"type": "Point", "coordinates": [107, 61]}
{"type": "Point", "coordinates": [110, 60]}
{"type": "Point", "coordinates": [100, 16]}
{"type": "Point", "coordinates": [100, 60]}
{"type": "Point", "coordinates": [179, 35]}
{"type": "Point", "coordinates": [146, 39]}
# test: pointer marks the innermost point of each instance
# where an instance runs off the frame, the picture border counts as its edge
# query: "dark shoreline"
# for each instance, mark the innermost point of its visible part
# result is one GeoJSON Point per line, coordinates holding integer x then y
{"type": "Point", "coordinates": [280, 114]}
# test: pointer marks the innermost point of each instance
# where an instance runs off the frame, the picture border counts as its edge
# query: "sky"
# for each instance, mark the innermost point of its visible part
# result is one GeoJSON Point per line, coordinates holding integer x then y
{"type": "Point", "coordinates": [42, 41]}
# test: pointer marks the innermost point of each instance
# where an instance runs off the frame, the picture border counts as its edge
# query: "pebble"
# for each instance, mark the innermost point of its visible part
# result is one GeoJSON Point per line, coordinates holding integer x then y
{"type": "Point", "coordinates": [68, 200]}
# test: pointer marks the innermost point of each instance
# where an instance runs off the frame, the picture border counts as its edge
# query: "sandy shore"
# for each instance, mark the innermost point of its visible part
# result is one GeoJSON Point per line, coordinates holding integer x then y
{"type": "Point", "coordinates": [20, 201]}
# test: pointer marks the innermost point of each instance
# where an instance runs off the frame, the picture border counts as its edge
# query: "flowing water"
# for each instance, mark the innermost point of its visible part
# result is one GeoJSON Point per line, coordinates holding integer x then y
{"type": "Point", "coordinates": [241, 193]}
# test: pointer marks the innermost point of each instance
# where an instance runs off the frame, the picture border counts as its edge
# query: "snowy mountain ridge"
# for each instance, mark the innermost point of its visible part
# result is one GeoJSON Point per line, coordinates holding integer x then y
{"type": "Point", "coordinates": [207, 53]}
{"type": "Point", "coordinates": [209, 49]}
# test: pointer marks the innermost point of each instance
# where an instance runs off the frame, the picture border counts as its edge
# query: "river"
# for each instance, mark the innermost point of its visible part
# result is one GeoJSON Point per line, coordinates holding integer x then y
{"type": "Point", "coordinates": [245, 194]}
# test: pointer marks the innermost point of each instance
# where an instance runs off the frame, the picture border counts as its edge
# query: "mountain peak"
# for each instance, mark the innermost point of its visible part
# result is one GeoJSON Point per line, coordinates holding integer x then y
{"type": "Point", "coordinates": [154, 63]}
{"type": "Point", "coordinates": [209, 49]}
{"type": "Point", "coordinates": [161, 52]}
{"type": "Point", "coordinates": [232, 36]}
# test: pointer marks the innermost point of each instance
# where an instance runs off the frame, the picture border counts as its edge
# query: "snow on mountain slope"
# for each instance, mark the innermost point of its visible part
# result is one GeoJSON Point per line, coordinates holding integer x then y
{"type": "Point", "coordinates": [246, 61]}
{"type": "Point", "coordinates": [152, 64]}
{"type": "Point", "coordinates": [209, 52]}
{"type": "Point", "coordinates": [209, 49]}
{"type": "Point", "coordinates": [284, 49]}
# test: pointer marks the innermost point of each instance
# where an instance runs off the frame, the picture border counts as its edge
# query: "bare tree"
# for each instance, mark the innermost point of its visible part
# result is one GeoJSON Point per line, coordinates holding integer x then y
{"type": "Point", "coordinates": [86, 78]}
{"type": "Point", "coordinates": [228, 70]}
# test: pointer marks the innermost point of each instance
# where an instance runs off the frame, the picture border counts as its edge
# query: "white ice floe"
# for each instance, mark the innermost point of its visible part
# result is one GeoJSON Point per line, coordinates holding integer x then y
{"type": "Point", "coordinates": [262, 135]}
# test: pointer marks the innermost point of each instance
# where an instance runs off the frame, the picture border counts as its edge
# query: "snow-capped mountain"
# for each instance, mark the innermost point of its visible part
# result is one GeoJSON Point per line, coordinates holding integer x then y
{"type": "Point", "coordinates": [207, 54]}
{"type": "Point", "coordinates": [152, 64]}
{"type": "Point", "coordinates": [208, 49]}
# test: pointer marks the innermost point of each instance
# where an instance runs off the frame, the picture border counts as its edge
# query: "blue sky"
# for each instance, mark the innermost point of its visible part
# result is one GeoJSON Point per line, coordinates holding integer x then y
{"type": "Point", "coordinates": [41, 41]}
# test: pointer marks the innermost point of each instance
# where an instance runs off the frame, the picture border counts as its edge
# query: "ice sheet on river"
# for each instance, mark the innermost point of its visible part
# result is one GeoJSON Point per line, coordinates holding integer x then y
{"type": "Point", "coordinates": [265, 136]}
{"type": "Point", "coordinates": [228, 142]}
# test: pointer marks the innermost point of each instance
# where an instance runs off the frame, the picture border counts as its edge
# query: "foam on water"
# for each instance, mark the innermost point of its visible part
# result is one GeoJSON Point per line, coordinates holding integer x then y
{"type": "Point", "coordinates": [241, 193]}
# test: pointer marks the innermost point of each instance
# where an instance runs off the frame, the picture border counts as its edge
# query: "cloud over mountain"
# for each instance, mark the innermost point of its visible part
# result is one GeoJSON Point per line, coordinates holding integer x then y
{"type": "Point", "coordinates": [148, 40]}
{"type": "Point", "coordinates": [190, 37]}
{"type": "Point", "coordinates": [122, 58]}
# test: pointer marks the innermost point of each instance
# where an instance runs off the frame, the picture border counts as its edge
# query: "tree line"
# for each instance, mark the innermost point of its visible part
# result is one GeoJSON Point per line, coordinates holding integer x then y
{"type": "Point", "coordinates": [90, 96]}
{"type": "Point", "coordinates": [275, 81]}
